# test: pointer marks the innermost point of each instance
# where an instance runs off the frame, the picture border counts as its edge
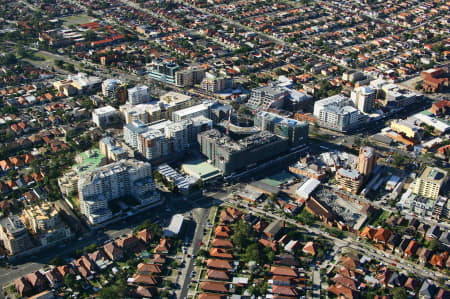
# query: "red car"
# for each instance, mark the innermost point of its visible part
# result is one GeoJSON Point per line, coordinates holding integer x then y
{"type": "Point", "coordinates": [200, 243]}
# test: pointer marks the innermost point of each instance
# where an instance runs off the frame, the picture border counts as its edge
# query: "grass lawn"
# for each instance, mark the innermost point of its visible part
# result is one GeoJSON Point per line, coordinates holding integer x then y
{"type": "Point", "coordinates": [76, 20]}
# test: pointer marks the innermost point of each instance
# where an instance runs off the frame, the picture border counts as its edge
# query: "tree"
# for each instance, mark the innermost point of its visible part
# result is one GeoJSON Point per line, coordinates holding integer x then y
{"type": "Point", "coordinates": [399, 293]}
{"type": "Point", "coordinates": [57, 261]}
{"type": "Point", "coordinates": [434, 245]}
{"type": "Point", "coordinates": [90, 35]}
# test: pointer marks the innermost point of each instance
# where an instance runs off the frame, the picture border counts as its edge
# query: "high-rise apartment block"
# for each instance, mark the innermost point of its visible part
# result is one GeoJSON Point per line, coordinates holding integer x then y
{"type": "Point", "coordinates": [139, 94]}
{"type": "Point", "coordinates": [123, 178]}
{"type": "Point", "coordinates": [363, 97]}
{"type": "Point", "coordinates": [430, 182]}
{"type": "Point", "coordinates": [367, 160]}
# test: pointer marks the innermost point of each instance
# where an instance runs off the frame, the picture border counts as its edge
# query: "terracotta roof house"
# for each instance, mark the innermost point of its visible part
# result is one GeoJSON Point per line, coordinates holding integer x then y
{"type": "Point", "coordinates": [218, 264]}
{"type": "Point", "coordinates": [368, 233]}
{"type": "Point", "coordinates": [260, 226]}
{"type": "Point", "coordinates": [163, 246]}
{"type": "Point", "coordinates": [100, 259]}
{"type": "Point", "coordinates": [213, 286]}
{"type": "Point", "coordinates": [384, 276]}
{"type": "Point", "coordinates": [346, 282]}
{"type": "Point", "coordinates": [65, 269]}
{"type": "Point", "coordinates": [412, 284]}
{"type": "Point", "coordinates": [382, 235]}
{"type": "Point", "coordinates": [130, 243]}
{"type": "Point", "coordinates": [309, 248]}
{"type": "Point", "coordinates": [267, 243]}
{"type": "Point", "coordinates": [159, 259]}
{"type": "Point", "coordinates": [222, 243]}
{"type": "Point", "coordinates": [23, 286]}
{"type": "Point", "coordinates": [230, 215]}
{"type": "Point", "coordinates": [222, 231]}
{"type": "Point", "coordinates": [411, 249]}
{"type": "Point", "coordinates": [38, 281]}
{"type": "Point", "coordinates": [143, 292]}
{"type": "Point", "coordinates": [220, 253]}
{"type": "Point", "coordinates": [147, 280]}
{"type": "Point", "coordinates": [113, 252]}
{"type": "Point", "coordinates": [342, 291]}
{"type": "Point", "coordinates": [349, 262]}
{"type": "Point", "coordinates": [148, 269]}
{"type": "Point", "coordinates": [438, 260]}
{"type": "Point", "coordinates": [283, 271]}
{"type": "Point", "coordinates": [442, 294]}
{"type": "Point", "coordinates": [286, 259]}
{"type": "Point", "coordinates": [54, 277]}
{"type": "Point", "coordinates": [211, 296]}
{"type": "Point", "coordinates": [284, 291]}
{"type": "Point", "coordinates": [217, 275]}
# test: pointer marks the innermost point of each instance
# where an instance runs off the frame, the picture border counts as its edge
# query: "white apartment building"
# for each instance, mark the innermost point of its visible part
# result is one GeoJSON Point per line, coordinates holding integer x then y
{"type": "Point", "coordinates": [363, 97]}
{"type": "Point", "coordinates": [336, 113]}
{"type": "Point", "coordinates": [190, 112]}
{"type": "Point", "coordinates": [105, 116]}
{"type": "Point", "coordinates": [110, 87]}
{"type": "Point", "coordinates": [131, 132]}
{"type": "Point", "coordinates": [123, 178]}
{"type": "Point", "coordinates": [139, 94]}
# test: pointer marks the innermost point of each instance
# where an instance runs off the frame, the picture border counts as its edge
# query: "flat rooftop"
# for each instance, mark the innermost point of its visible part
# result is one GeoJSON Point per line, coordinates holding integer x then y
{"type": "Point", "coordinates": [200, 169]}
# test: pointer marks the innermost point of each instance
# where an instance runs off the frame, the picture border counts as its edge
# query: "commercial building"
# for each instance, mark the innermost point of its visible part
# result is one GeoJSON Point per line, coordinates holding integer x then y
{"type": "Point", "coordinates": [363, 97]}
{"type": "Point", "coordinates": [230, 156]}
{"type": "Point", "coordinates": [80, 83]}
{"type": "Point", "coordinates": [265, 97]}
{"type": "Point", "coordinates": [123, 178]}
{"type": "Point", "coordinates": [105, 116]}
{"type": "Point", "coordinates": [336, 113]}
{"type": "Point", "coordinates": [14, 235]}
{"type": "Point", "coordinates": [349, 179]}
{"type": "Point", "coordinates": [45, 223]}
{"type": "Point", "coordinates": [305, 190]}
{"type": "Point", "coordinates": [158, 110]}
{"type": "Point", "coordinates": [397, 97]}
{"type": "Point", "coordinates": [408, 128]}
{"type": "Point", "coordinates": [174, 228]}
{"type": "Point", "coordinates": [296, 131]}
{"type": "Point", "coordinates": [110, 87]}
{"type": "Point", "coordinates": [163, 70]}
{"type": "Point", "coordinates": [139, 94]}
{"type": "Point", "coordinates": [190, 112]}
{"type": "Point", "coordinates": [111, 150]}
{"type": "Point", "coordinates": [430, 182]}
{"type": "Point", "coordinates": [213, 84]}
{"type": "Point", "coordinates": [183, 183]}
{"type": "Point", "coordinates": [189, 77]}
{"type": "Point", "coordinates": [367, 160]}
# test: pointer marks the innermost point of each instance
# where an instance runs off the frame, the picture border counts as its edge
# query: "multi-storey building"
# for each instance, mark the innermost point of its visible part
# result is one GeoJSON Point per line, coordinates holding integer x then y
{"type": "Point", "coordinates": [336, 113]}
{"type": "Point", "coordinates": [190, 112]}
{"type": "Point", "coordinates": [163, 70]}
{"type": "Point", "coordinates": [110, 87]}
{"type": "Point", "coordinates": [212, 83]}
{"type": "Point", "coordinates": [123, 178]}
{"type": "Point", "coordinates": [367, 160]}
{"type": "Point", "coordinates": [270, 96]}
{"type": "Point", "coordinates": [131, 132]}
{"type": "Point", "coordinates": [109, 148]}
{"type": "Point", "coordinates": [231, 156]}
{"type": "Point", "coordinates": [349, 179]}
{"type": "Point", "coordinates": [45, 223]}
{"type": "Point", "coordinates": [139, 94]}
{"type": "Point", "coordinates": [430, 182]}
{"type": "Point", "coordinates": [363, 97]}
{"type": "Point", "coordinates": [105, 116]}
{"type": "Point", "coordinates": [14, 235]}
{"type": "Point", "coordinates": [296, 131]}
{"type": "Point", "coordinates": [189, 77]}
